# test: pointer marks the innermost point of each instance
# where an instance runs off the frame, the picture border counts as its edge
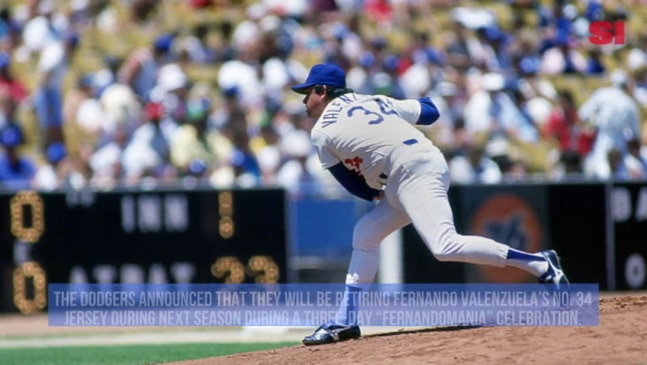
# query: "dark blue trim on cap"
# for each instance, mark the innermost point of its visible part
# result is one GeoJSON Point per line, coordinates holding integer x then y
{"type": "Point", "coordinates": [411, 141]}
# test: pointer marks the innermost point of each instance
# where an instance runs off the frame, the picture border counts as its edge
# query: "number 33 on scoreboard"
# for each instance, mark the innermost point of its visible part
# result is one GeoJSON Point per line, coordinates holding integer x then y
{"type": "Point", "coordinates": [262, 269]}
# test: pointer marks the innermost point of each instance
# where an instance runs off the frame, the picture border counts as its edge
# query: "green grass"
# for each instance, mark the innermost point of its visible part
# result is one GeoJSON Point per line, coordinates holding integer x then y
{"type": "Point", "coordinates": [122, 331]}
{"type": "Point", "coordinates": [123, 355]}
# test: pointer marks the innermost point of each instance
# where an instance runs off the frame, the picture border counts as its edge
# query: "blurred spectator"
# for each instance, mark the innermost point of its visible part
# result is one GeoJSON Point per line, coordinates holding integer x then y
{"type": "Point", "coordinates": [268, 154]}
{"type": "Point", "coordinates": [617, 166]}
{"type": "Point", "coordinates": [196, 141]}
{"type": "Point", "coordinates": [278, 69]}
{"type": "Point", "coordinates": [107, 162]}
{"type": "Point", "coordinates": [446, 97]}
{"type": "Point", "coordinates": [8, 108]}
{"type": "Point", "coordinates": [493, 112]}
{"type": "Point", "coordinates": [15, 86]}
{"type": "Point", "coordinates": [51, 174]}
{"type": "Point", "coordinates": [474, 167]}
{"type": "Point", "coordinates": [295, 174]}
{"type": "Point", "coordinates": [595, 63]}
{"type": "Point", "coordinates": [492, 50]}
{"type": "Point", "coordinates": [142, 10]}
{"type": "Point", "coordinates": [230, 110]}
{"type": "Point", "coordinates": [616, 118]}
{"type": "Point", "coordinates": [44, 28]}
{"type": "Point", "coordinates": [53, 64]}
{"type": "Point", "coordinates": [148, 152]}
{"type": "Point", "coordinates": [564, 126]}
{"type": "Point", "coordinates": [16, 170]}
{"type": "Point", "coordinates": [379, 11]}
{"type": "Point", "coordinates": [242, 74]}
{"type": "Point", "coordinates": [462, 140]}
{"type": "Point", "coordinates": [84, 12]}
{"type": "Point", "coordinates": [637, 55]}
{"type": "Point", "coordinates": [121, 106]}
{"type": "Point", "coordinates": [339, 43]}
{"type": "Point", "coordinates": [525, 58]}
{"type": "Point", "coordinates": [507, 158]}
{"type": "Point", "coordinates": [513, 168]}
{"type": "Point", "coordinates": [140, 69]}
{"type": "Point", "coordinates": [635, 162]}
{"type": "Point", "coordinates": [196, 45]}
{"type": "Point", "coordinates": [640, 85]}
{"type": "Point", "coordinates": [108, 75]}
{"type": "Point", "coordinates": [459, 55]}
{"type": "Point", "coordinates": [172, 91]}
{"type": "Point", "coordinates": [562, 59]}
{"type": "Point", "coordinates": [10, 31]}
{"type": "Point", "coordinates": [417, 80]}
{"type": "Point", "coordinates": [422, 47]}
{"type": "Point", "coordinates": [533, 102]}
{"type": "Point", "coordinates": [245, 167]}
{"type": "Point", "coordinates": [247, 33]}
{"type": "Point", "coordinates": [246, 171]}
{"type": "Point", "coordinates": [555, 25]}
{"type": "Point", "coordinates": [567, 166]}
{"type": "Point", "coordinates": [83, 114]}
{"type": "Point", "coordinates": [201, 4]}
{"type": "Point", "coordinates": [358, 73]}
{"type": "Point", "coordinates": [223, 46]}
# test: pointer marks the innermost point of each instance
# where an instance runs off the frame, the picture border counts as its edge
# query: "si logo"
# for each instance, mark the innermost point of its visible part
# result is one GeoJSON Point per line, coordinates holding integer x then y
{"type": "Point", "coordinates": [508, 219]}
{"type": "Point", "coordinates": [607, 33]}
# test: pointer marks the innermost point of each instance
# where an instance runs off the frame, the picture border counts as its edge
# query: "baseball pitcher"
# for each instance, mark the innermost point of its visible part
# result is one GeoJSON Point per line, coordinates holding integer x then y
{"type": "Point", "coordinates": [370, 145]}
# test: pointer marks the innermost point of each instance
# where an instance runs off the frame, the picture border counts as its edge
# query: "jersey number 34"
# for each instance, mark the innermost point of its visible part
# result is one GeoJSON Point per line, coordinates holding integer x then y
{"type": "Point", "coordinates": [385, 108]}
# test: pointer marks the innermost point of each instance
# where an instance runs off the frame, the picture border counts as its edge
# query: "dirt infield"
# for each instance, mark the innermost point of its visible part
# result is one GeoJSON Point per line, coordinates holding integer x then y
{"type": "Point", "coordinates": [621, 338]}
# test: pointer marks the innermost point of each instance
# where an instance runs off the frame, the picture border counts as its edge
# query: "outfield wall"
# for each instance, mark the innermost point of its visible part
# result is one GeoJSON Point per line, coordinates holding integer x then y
{"type": "Point", "coordinates": [599, 230]}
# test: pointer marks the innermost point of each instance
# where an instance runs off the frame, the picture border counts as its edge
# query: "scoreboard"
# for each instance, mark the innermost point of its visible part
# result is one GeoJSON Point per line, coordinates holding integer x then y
{"type": "Point", "coordinates": [135, 236]}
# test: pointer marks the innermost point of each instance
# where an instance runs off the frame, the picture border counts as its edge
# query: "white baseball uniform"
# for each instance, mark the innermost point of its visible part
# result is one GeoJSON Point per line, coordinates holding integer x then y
{"type": "Point", "coordinates": [375, 137]}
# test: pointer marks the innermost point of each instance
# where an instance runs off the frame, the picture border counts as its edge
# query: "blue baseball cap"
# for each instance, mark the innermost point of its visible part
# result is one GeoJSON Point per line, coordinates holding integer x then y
{"type": "Point", "coordinates": [322, 74]}
{"type": "Point", "coordinates": [163, 42]}
{"type": "Point", "coordinates": [56, 152]}
{"type": "Point", "coordinates": [11, 136]}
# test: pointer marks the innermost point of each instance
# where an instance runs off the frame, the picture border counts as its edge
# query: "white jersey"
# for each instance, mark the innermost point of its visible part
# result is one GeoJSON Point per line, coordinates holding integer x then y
{"type": "Point", "coordinates": [361, 131]}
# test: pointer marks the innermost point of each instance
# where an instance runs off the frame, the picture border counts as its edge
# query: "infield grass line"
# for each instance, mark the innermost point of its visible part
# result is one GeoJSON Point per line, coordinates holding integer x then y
{"type": "Point", "coordinates": [124, 331]}
{"type": "Point", "coordinates": [128, 354]}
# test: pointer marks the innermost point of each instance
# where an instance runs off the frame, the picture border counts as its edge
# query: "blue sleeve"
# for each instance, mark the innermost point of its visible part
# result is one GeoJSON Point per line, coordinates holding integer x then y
{"type": "Point", "coordinates": [354, 183]}
{"type": "Point", "coordinates": [428, 112]}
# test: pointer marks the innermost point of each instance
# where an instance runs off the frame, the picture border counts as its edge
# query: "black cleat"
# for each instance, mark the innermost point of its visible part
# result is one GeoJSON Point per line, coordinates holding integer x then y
{"type": "Point", "coordinates": [332, 332]}
{"type": "Point", "coordinates": [555, 274]}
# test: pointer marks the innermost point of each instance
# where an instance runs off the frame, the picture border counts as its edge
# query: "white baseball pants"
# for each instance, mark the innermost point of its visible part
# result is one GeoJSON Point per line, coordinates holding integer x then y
{"type": "Point", "coordinates": [416, 192]}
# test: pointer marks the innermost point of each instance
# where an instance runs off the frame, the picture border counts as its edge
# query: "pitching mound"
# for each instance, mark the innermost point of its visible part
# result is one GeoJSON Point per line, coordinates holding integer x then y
{"type": "Point", "coordinates": [621, 338]}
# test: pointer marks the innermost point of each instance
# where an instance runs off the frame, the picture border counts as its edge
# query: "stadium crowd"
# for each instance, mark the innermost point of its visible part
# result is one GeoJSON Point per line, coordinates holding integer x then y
{"type": "Point", "coordinates": [141, 118]}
